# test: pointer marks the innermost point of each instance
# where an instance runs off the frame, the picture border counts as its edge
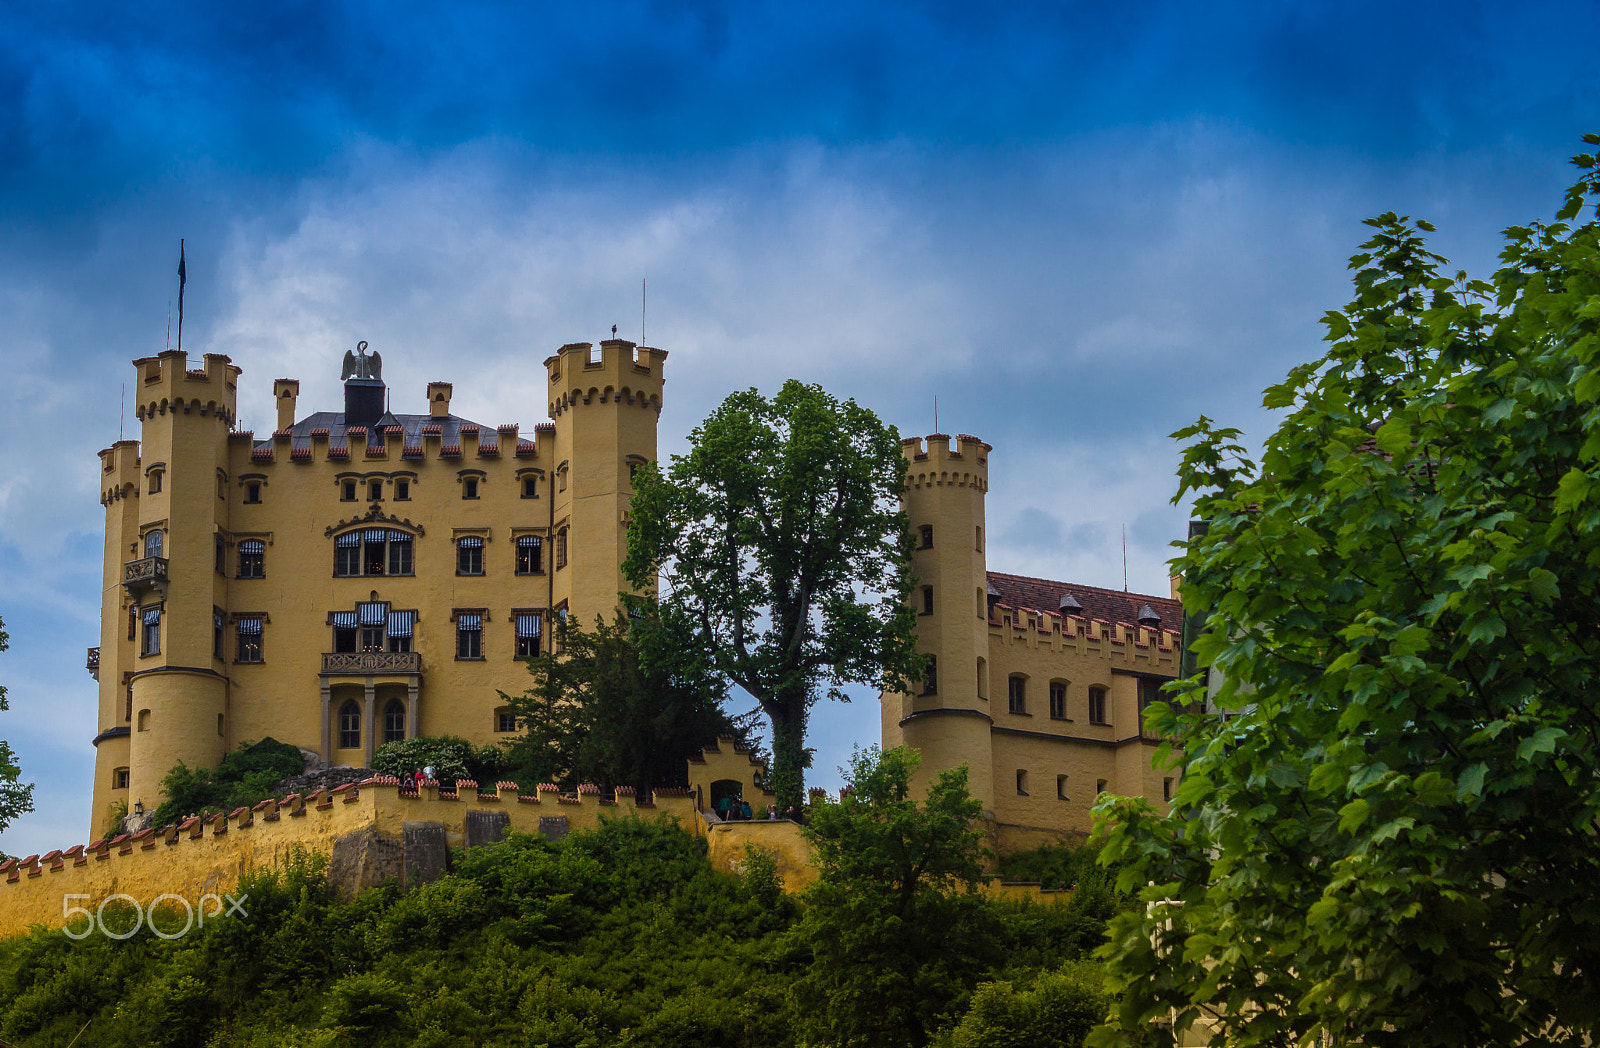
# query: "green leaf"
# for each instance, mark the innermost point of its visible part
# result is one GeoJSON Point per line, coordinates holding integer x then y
{"type": "Point", "coordinates": [1542, 741]}
{"type": "Point", "coordinates": [1470, 782]}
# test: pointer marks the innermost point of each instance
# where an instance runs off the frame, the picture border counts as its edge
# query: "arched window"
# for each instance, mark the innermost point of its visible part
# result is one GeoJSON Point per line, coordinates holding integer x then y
{"type": "Point", "coordinates": [394, 721]}
{"type": "Point", "coordinates": [504, 719]}
{"type": "Point", "coordinates": [153, 544]}
{"type": "Point", "coordinates": [1017, 693]}
{"type": "Point", "coordinates": [350, 726]}
{"type": "Point", "coordinates": [1058, 700]}
{"type": "Point", "coordinates": [1097, 705]}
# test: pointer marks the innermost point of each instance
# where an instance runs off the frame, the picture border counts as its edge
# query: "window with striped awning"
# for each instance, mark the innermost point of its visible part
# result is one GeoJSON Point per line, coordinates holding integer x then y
{"type": "Point", "coordinates": [401, 623]}
{"type": "Point", "coordinates": [252, 546]}
{"type": "Point", "coordinates": [527, 625]}
{"type": "Point", "coordinates": [345, 620]}
{"type": "Point", "coordinates": [469, 622]}
{"type": "Point", "coordinates": [469, 555]}
{"type": "Point", "coordinates": [530, 555]}
{"type": "Point", "coordinates": [348, 539]}
{"type": "Point", "coordinates": [470, 542]}
{"type": "Point", "coordinates": [373, 614]}
{"type": "Point", "coordinates": [249, 627]}
{"type": "Point", "coordinates": [152, 616]}
{"type": "Point", "coordinates": [376, 535]}
{"type": "Point", "coordinates": [249, 639]}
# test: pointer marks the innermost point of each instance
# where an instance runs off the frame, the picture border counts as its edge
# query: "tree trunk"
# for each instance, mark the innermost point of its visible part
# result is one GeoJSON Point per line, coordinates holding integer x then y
{"type": "Point", "coordinates": [788, 753]}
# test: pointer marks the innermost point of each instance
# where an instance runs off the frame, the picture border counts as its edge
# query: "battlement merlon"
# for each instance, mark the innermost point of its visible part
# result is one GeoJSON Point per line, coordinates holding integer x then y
{"type": "Point", "coordinates": [935, 460]}
{"type": "Point", "coordinates": [621, 372]}
{"type": "Point", "coordinates": [119, 468]}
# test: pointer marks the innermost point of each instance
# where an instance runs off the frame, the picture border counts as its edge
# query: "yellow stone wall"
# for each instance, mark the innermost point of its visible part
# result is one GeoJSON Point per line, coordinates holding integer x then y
{"type": "Point", "coordinates": [978, 645]}
{"type": "Point", "coordinates": [191, 478]}
{"type": "Point", "coordinates": [209, 856]}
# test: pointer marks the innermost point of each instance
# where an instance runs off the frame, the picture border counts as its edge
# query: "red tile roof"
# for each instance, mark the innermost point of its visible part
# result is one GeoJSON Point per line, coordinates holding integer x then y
{"type": "Point", "coordinates": [1021, 591]}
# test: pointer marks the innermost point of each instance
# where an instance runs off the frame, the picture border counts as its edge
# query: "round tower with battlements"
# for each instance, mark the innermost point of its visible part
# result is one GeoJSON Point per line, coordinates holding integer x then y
{"type": "Point", "coordinates": [166, 508]}
{"type": "Point", "coordinates": [948, 721]}
{"type": "Point", "coordinates": [605, 401]}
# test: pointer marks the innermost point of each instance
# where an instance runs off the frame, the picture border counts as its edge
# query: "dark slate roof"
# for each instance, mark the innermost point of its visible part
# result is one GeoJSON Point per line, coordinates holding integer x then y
{"type": "Point", "coordinates": [333, 422]}
{"type": "Point", "coordinates": [1020, 591]}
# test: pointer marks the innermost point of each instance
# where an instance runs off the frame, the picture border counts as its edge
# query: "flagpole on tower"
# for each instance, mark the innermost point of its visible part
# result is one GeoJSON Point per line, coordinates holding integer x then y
{"type": "Point", "coordinates": [183, 276]}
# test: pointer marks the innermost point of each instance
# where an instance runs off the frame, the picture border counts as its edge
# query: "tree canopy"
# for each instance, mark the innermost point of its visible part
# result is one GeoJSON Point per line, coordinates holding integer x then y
{"type": "Point", "coordinates": [780, 537]}
{"type": "Point", "coordinates": [627, 703]}
{"type": "Point", "coordinates": [1392, 838]}
{"type": "Point", "coordinates": [16, 796]}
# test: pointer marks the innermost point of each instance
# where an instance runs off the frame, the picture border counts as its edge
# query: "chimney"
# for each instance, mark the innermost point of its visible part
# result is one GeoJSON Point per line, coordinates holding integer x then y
{"type": "Point", "coordinates": [439, 399]}
{"type": "Point", "coordinates": [1070, 605]}
{"type": "Point", "coordinates": [363, 401]}
{"type": "Point", "coordinates": [285, 391]}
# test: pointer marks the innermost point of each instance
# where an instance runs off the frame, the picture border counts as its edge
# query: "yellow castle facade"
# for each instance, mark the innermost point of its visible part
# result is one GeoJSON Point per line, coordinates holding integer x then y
{"type": "Point", "coordinates": [354, 577]}
{"type": "Point", "coordinates": [1038, 686]}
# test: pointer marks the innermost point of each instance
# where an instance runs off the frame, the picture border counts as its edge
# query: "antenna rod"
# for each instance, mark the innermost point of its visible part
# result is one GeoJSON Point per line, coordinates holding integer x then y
{"type": "Point", "coordinates": [1124, 558]}
{"type": "Point", "coordinates": [936, 412]}
{"type": "Point", "coordinates": [123, 414]}
{"type": "Point", "coordinates": [644, 299]}
{"type": "Point", "coordinates": [169, 321]}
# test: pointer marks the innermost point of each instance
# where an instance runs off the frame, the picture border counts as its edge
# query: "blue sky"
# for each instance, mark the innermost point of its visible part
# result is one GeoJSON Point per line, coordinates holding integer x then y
{"type": "Point", "coordinates": [1078, 225]}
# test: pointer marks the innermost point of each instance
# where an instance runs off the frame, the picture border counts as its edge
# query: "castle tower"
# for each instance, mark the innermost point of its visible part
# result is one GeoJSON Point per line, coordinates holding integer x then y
{"type": "Point", "coordinates": [163, 552]}
{"type": "Point", "coordinates": [948, 723]}
{"type": "Point", "coordinates": [605, 404]}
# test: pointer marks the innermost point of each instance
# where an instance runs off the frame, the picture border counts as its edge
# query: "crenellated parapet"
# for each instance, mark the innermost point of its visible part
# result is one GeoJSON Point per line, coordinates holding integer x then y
{"type": "Point", "coordinates": [619, 372]}
{"type": "Point", "coordinates": [934, 461]}
{"type": "Point", "coordinates": [168, 386]}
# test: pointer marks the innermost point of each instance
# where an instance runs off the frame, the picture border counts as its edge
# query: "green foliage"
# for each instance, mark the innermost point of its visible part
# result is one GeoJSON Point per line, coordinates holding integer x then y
{"type": "Point", "coordinates": [897, 931]}
{"type": "Point", "coordinates": [1057, 1011]}
{"type": "Point", "coordinates": [780, 538]}
{"type": "Point", "coordinates": [627, 704]}
{"type": "Point", "coordinates": [623, 936]}
{"type": "Point", "coordinates": [16, 796]}
{"type": "Point", "coordinates": [450, 756]}
{"type": "Point", "coordinates": [246, 776]}
{"type": "Point", "coordinates": [1393, 841]}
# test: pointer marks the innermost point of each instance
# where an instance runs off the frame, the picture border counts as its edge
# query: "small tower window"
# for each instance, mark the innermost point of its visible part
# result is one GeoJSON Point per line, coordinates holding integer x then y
{"type": "Point", "coordinates": [530, 555]}
{"type": "Point", "coordinates": [978, 538]}
{"type": "Point", "coordinates": [252, 559]}
{"type": "Point", "coordinates": [402, 491]}
{"type": "Point", "coordinates": [349, 726]}
{"type": "Point", "coordinates": [1022, 782]}
{"type": "Point", "coordinates": [504, 720]}
{"type": "Point", "coordinates": [144, 720]}
{"type": "Point", "coordinates": [530, 487]}
{"type": "Point", "coordinates": [930, 683]}
{"type": "Point", "coordinates": [1058, 700]}
{"type": "Point", "coordinates": [374, 490]}
{"type": "Point", "coordinates": [219, 554]}
{"type": "Point", "coordinates": [150, 638]}
{"type": "Point", "coordinates": [1099, 787]}
{"type": "Point", "coordinates": [469, 555]}
{"type": "Point", "coordinates": [119, 779]}
{"type": "Point", "coordinates": [927, 600]}
{"type": "Point", "coordinates": [469, 488]}
{"type": "Point", "coordinates": [252, 492]}
{"type": "Point", "coordinates": [249, 640]}
{"type": "Point", "coordinates": [925, 535]}
{"type": "Point", "coordinates": [1061, 788]}
{"type": "Point", "coordinates": [1166, 789]}
{"type": "Point", "coordinates": [983, 678]}
{"type": "Point", "coordinates": [217, 623]}
{"type": "Point", "coordinates": [349, 492]}
{"type": "Point", "coordinates": [155, 481]}
{"type": "Point", "coordinates": [561, 548]}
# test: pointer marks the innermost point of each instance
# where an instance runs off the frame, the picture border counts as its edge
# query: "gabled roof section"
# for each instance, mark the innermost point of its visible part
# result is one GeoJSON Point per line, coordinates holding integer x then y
{"type": "Point", "coordinates": [331, 424]}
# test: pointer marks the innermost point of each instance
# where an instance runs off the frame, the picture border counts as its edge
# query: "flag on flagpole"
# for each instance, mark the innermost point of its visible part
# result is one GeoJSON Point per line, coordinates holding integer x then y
{"type": "Point", "coordinates": [183, 276]}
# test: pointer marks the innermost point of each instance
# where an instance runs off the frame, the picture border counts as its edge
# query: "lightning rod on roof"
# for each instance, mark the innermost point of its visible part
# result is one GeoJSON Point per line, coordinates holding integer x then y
{"type": "Point", "coordinates": [1124, 558]}
{"type": "Point", "coordinates": [644, 300]}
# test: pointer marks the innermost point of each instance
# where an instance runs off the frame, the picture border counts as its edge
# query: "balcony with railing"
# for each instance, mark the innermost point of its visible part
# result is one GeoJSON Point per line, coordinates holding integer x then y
{"type": "Point", "coordinates": [144, 573]}
{"type": "Point", "coordinates": [371, 663]}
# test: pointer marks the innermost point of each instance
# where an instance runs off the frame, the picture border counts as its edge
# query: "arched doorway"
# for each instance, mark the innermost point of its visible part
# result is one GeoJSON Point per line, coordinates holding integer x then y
{"type": "Point", "coordinates": [724, 793]}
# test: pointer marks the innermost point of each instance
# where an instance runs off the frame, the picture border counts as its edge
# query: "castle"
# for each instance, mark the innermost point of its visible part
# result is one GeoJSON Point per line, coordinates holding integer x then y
{"type": "Point", "coordinates": [362, 576]}
{"type": "Point", "coordinates": [1039, 687]}
{"type": "Point", "coordinates": [355, 577]}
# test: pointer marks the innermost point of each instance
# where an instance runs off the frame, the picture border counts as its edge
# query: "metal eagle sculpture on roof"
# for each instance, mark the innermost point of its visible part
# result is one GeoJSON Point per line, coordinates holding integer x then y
{"type": "Point", "coordinates": [358, 363]}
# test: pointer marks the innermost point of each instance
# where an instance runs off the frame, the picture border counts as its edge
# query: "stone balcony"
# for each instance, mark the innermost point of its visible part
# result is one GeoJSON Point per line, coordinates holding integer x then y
{"type": "Point", "coordinates": [371, 663]}
{"type": "Point", "coordinates": [143, 574]}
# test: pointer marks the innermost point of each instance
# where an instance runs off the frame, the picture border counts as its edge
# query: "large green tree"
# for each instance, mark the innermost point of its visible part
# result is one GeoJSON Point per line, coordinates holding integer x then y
{"type": "Point", "coordinates": [780, 536]}
{"type": "Point", "coordinates": [16, 796]}
{"type": "Point", "coordinates": [627, 703]}
{"type": "Point", "coordinates": [1393, 841]}
{"type": "Point", "coordinates": [896, 928]}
